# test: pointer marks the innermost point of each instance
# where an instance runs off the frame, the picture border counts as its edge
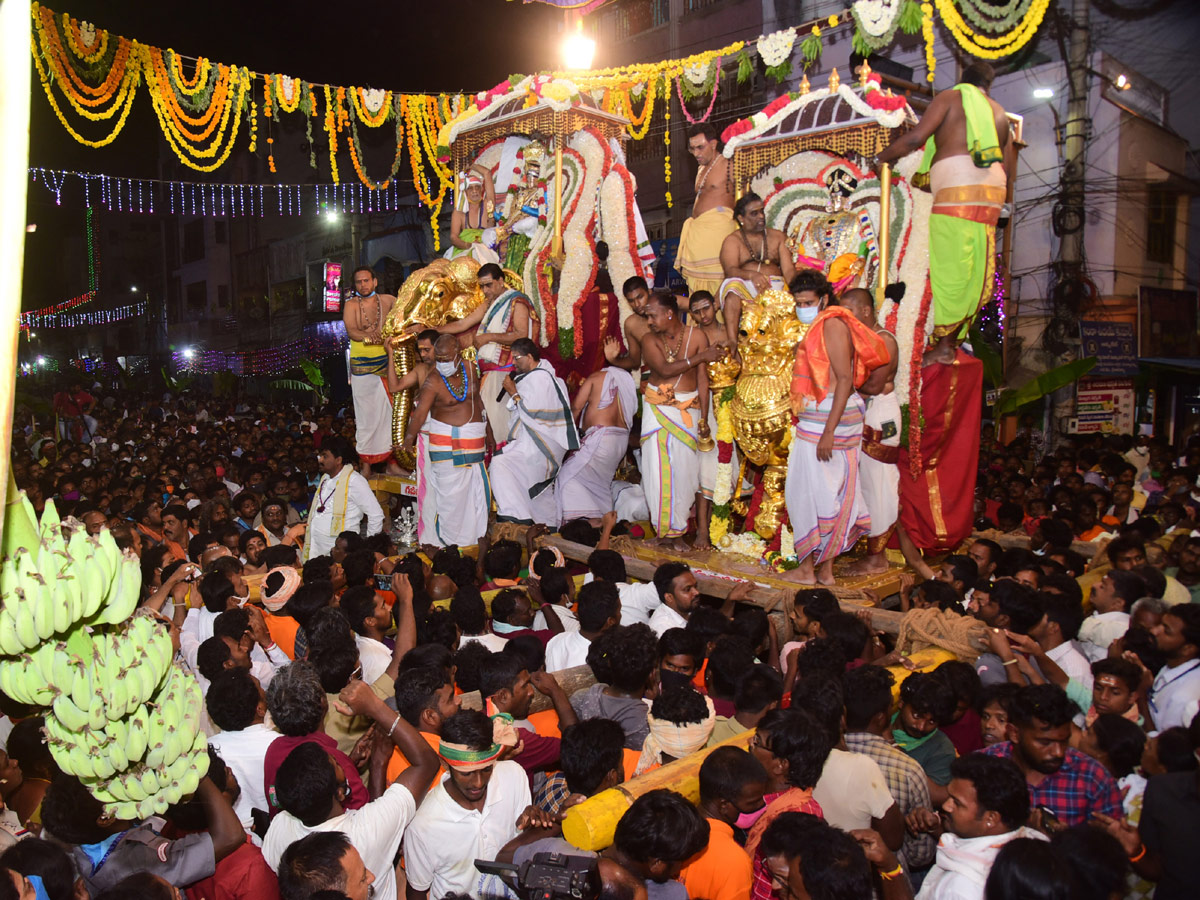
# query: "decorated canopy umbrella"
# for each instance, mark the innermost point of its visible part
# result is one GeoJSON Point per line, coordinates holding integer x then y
{"type": "Point", "coordinates": [536, 105]}
{"type": "Point", "coordinates": [841, 119]}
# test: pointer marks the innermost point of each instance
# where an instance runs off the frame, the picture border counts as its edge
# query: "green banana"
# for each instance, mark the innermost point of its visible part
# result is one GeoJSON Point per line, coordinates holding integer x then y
{"type": "Point", "coordinates": [23, 617]}
{"type": "Point", "coordinates": [81, 685]}
{"type": "Point", "coordinates": [10, 641]}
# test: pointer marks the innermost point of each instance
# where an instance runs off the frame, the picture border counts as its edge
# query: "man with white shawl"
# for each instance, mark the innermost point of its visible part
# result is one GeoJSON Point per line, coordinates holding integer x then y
{"type": "Point", "coordinates": [988, 807]}
{"type": "Point", "coordinates": [681, 722]}
{"type": "Point", "coordinates": [604, 406]}
{"type": "Point", "coordinates": [541, 432]}
{"type": "Point", "coordinates": [342, 498]}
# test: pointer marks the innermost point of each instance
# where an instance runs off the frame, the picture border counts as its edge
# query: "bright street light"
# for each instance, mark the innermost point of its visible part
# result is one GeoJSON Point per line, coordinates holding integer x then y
{"type": "Point", "coordinates": [1122, 83]}
{"type": "Point", "coordinates": [188, 352]}
{"type": "Point", "coordinates": [1043, 93]}
{"type": "Point", "coordinates": [578, 49]}
{"type": "Point", "coordinates": [133, 289]}
{"type": "Point", "coordinates": [41, 360]}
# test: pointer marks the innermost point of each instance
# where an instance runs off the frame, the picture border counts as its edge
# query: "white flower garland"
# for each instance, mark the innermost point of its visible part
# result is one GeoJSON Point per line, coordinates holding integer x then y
{"type": "Point", "coordinates": [373, 99]}
{"type": "Point", "coordinates": [876, 17]}
{"type": "Point", "coordinates": [579, 253]}
{"type": "Point", "coordinates": [886, 118]}
{"type": "Point", "coordinates": [723, 489]}
{"type": "Point", "coordinates": [697, 74]}
{"type": "Point", "coordinates": [776, 47]}
{"type": "Point", "coordinates": [747, 544]}
{"type": "Point", "coordinates": [623, 260]}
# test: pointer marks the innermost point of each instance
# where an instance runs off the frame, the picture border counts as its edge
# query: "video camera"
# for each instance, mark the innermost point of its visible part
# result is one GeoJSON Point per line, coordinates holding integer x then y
{"type": "Point", "coordinates": [548, 876]}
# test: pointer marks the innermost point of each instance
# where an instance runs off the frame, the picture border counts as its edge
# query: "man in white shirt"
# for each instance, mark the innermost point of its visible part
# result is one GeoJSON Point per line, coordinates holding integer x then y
{"type": "Point", "coordinates": [599, 609]}
{"type": "Point", "coordinates": [476, 808]}
{"type": "Point", "coordinates": [1175, 695]}
{"type": "Point", "coordinates": [342, 498]}
{"type": "Point", "coordinates": [1112, 598]}
{"type": "Point", "coordinates": [1055, 632]}
{"type": "Point", "coordinates": [987, 807]}
{"type": "Point", "coordinates": [237, 705]}
{"type": "Point", "coordinates": [679, 593]}
{"type": "Point", "coordinates": [369, 617]}
{"type": "Point", "coordinates": [638, 601]}
{"type": "Point", "coordinates": [311, 789]}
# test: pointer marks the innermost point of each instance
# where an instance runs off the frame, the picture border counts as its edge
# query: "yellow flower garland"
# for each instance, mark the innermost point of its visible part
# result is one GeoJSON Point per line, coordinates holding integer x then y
{"type": "Point", "coordinates": [225, 132]}
{"type": "Point", "coordinates": [124, 102]}
{"type": "Point", "coordinates": [986, 46]}
{"type": "Point", "coordinates": [667, 144]}
{"type": "Point", "coordinates": [331, 130]}
{"type": "Point", "coordinates": [75, 40]}
{"type": "Point", "coordinates": [927, 34]}
{"type": "Point", "coordinates": [286, 103]}
{"type": "Point", "coordinates": [199, 78]}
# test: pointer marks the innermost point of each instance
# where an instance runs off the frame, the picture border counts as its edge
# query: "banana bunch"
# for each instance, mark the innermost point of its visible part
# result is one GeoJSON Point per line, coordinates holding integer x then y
{"type": "Point", "coordinates": [120, 716]}
{"type": "Point", "coordinates": [51, 585]}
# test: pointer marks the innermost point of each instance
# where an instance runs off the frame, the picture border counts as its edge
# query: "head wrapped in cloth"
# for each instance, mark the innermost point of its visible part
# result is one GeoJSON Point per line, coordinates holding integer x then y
{"type": "Point", "coordinates": [278, 587]}
{"type": "Point", "coordinates": [466, 181]}
{"type": "Point", "coordinates": [681, 722]}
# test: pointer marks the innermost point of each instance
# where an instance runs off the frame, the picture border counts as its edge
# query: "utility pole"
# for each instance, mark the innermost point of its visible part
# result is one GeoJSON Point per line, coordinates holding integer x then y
{"type": "Point", "coordinates": [1073, 216]}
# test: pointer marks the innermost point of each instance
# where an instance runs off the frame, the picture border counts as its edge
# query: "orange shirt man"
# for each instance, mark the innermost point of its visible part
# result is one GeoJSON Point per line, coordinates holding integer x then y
{"type": "Point", "coordinates": [732, 784]}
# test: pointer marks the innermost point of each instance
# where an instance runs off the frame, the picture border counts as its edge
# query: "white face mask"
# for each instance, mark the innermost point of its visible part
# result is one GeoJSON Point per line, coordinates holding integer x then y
{"type": "Point", "coordinates": [807, 314]}
{"type": "Point", "coordinates": [446, 368]}
{"type": "Point", "coordinates": [241, 601]}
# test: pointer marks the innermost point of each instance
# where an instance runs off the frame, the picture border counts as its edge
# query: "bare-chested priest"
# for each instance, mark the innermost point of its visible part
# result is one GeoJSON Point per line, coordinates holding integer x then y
{"type": "Point", "coordinates": [674, 415]}
{"type": "Point", "coordinates": [699, 257]}
{"type": "Point", "coordinates": [754, 258]}
{"type": "Point", "coordinates": [458, 437]}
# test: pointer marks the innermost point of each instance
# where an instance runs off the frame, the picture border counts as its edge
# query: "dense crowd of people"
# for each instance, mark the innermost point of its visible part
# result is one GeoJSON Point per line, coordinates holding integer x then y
{"type": "Point", "coordinates": [379, 722]}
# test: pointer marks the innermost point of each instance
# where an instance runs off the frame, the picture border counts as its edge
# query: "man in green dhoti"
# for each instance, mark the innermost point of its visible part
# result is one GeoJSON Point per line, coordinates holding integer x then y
{"type": "Point", "coordinates": [968, 160]}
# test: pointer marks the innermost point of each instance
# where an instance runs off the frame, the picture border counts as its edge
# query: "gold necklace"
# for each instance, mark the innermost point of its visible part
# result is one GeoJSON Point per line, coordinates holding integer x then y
{"type": "Point", "coordinates": [670, 354]}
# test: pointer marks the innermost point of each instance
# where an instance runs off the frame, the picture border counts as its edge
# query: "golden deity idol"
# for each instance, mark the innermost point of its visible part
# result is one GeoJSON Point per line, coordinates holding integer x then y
{"type": "Point", "coordinates": [762, 416]}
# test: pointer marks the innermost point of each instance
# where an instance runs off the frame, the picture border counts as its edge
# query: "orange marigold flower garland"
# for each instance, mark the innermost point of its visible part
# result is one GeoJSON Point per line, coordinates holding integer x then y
{"type": "Point", "coordinates": [331, 129]}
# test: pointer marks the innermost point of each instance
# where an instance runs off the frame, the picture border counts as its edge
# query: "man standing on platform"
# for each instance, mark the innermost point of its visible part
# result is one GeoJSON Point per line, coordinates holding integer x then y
{"type": "Point", "coordinates": [881, 441]}
{"type": "Point", "coordinates": [341, 500]}
{"type": "Point", "coordinates": [604, 407]}
{"type": "Point", "coordinates": [754, 258]}
{"type": "Point", "coordinates": [638, 294]}
{"type": "Point", "coordinates": [698, 259]}
{"type": "Point", "coordinates": [414, 379]}
{"type": "Point", "coordinates": [824, 496]}
{"type": "Point", "coordinates": [364, 315]}
{"type": "Point", "coordinates": [457, 438]}
{"type": "Point", "coordinates": [541, 432]}
{"type": "Point", "coordinates": [674, 414]}
{"type": "Point", "coordinates": [507, 316]}
{"type": "Point", "coordinates": [969, 157]}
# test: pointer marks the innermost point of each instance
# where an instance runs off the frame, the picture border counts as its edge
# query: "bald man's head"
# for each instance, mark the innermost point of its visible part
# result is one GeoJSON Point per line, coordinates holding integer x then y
{"type": "Point", "coordinates": [860, 303]}
{"type": "Point", "coordinates": [441, 587]}
{"type": "Point", "coordinates": [445, 347]}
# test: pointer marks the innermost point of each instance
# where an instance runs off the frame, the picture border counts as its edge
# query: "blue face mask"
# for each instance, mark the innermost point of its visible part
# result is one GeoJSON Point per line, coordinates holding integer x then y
{"type": "Point", "coordinates": [38, 888]}
{"type": "Point", "coordinates": [807, 314]}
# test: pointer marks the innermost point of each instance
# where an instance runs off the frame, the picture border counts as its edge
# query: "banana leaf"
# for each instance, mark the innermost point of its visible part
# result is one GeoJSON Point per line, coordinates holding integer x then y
{"type": "Point", "coordinates": [1046, 383]}
{"type": "Point", "coordinates": [312, 372]}
{"type": "Point", "coordinates": [291, 384]}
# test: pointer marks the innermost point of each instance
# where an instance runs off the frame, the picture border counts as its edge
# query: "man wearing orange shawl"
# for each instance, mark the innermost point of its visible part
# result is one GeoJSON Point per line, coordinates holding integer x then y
{"type": "Point", "coordinates": [824, 498]}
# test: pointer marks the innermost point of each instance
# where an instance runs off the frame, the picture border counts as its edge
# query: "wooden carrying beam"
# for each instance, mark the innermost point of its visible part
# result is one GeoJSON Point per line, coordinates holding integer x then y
{"type": "Point", "coordinates": [592, 824]}
{"type": "Point", "coordinates": [772, 599]}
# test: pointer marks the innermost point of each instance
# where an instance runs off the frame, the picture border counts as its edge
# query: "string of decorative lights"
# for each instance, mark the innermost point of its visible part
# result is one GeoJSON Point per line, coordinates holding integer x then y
{"type": "Point", "coordinates": [198, 198]}
{"type": "Point", "coordinates": [41, 321]}
{"type": "Point", "coordinates": [320, 339]}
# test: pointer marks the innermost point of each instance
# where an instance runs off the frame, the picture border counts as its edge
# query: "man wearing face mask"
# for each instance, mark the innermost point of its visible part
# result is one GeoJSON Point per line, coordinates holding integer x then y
{"type": "Point", "coordinates": [732, 784]}
{"type": "Point", "coordinates": [458, 437]}
{"type": "Point", "coordinates": [541, 432]}
{"type": "Point", "coordinates": [824, 497]}
{"type": "Point", "coordinates": [507, 315]}
{"type": "Point", "coordinates": [364, 315]}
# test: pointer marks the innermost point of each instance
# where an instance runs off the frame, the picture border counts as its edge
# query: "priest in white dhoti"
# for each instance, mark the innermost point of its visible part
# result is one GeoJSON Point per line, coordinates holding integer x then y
{"type": "Point", "coordinates": [541, 432]}
{"type": "Point", "coordinates": [343, 498]}
{"type": "Point", "coordinates": [674, 415]}
{"type": "Point", "coordinates": [880, 449]}
{"type": "Point", "coordinates": [604, 406]}
{"type": "Point", "coordinates": [363, 314]}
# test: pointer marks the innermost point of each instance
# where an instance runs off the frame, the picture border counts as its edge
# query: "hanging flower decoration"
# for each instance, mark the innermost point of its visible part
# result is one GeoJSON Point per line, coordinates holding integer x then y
{"type": "Point", "coordinates": [876, 23]}
{"type": "Point", "coordinates": [667, 145]}
{"type": "Point", "coordinates": [716, 85]}
{"type": "Point", "coordinates": [289, 92]}
{"type": "Point", "coordinates": [356, 148]}
{"type": "Point", "coordinates": [877, 98]}
{"type": "Point", "coordinates": [1016, 23]}
{"type": "Point", "coordinates": [722, 509]}
{"type": "Point", "coordinates": [775, 49]}
{"type": "Point", "coordinates": [370, 106]}
{"type": "Point", "coordinates": [927, 34]}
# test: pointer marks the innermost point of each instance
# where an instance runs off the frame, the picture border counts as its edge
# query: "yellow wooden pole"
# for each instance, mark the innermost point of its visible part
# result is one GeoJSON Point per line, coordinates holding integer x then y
{"type": "Point", "coordinates": [15, 88]}
{"type": "Point", "coordinates": [885, 221]}
{"type": "Point", "coordinates": [556, 248]}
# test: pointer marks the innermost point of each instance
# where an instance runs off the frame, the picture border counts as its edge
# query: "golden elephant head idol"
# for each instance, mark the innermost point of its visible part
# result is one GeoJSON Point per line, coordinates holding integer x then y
{"type": "Point", "coordinates": [444, 291]}
{"type": "Point", "coordinates": [762, 416]}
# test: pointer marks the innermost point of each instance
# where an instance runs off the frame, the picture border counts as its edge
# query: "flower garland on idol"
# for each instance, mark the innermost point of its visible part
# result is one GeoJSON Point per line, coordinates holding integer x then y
{"type": "Point", "coordinates": [619, 230]}
{"type": "Point", "coordinates": [722, 500]}
{"type": "Point", "coordinates": [580, 265]}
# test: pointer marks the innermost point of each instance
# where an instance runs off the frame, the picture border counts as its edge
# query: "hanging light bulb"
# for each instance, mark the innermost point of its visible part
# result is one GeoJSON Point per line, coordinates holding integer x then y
{"type": "Point", "coordinates": [578, 49]}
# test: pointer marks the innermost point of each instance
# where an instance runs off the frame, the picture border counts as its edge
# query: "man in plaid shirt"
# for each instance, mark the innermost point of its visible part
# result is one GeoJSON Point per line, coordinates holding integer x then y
{"type": "Point", "coordinates": [1070, 784]}
{"type": "Point", "coordinates": [868, 691]}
